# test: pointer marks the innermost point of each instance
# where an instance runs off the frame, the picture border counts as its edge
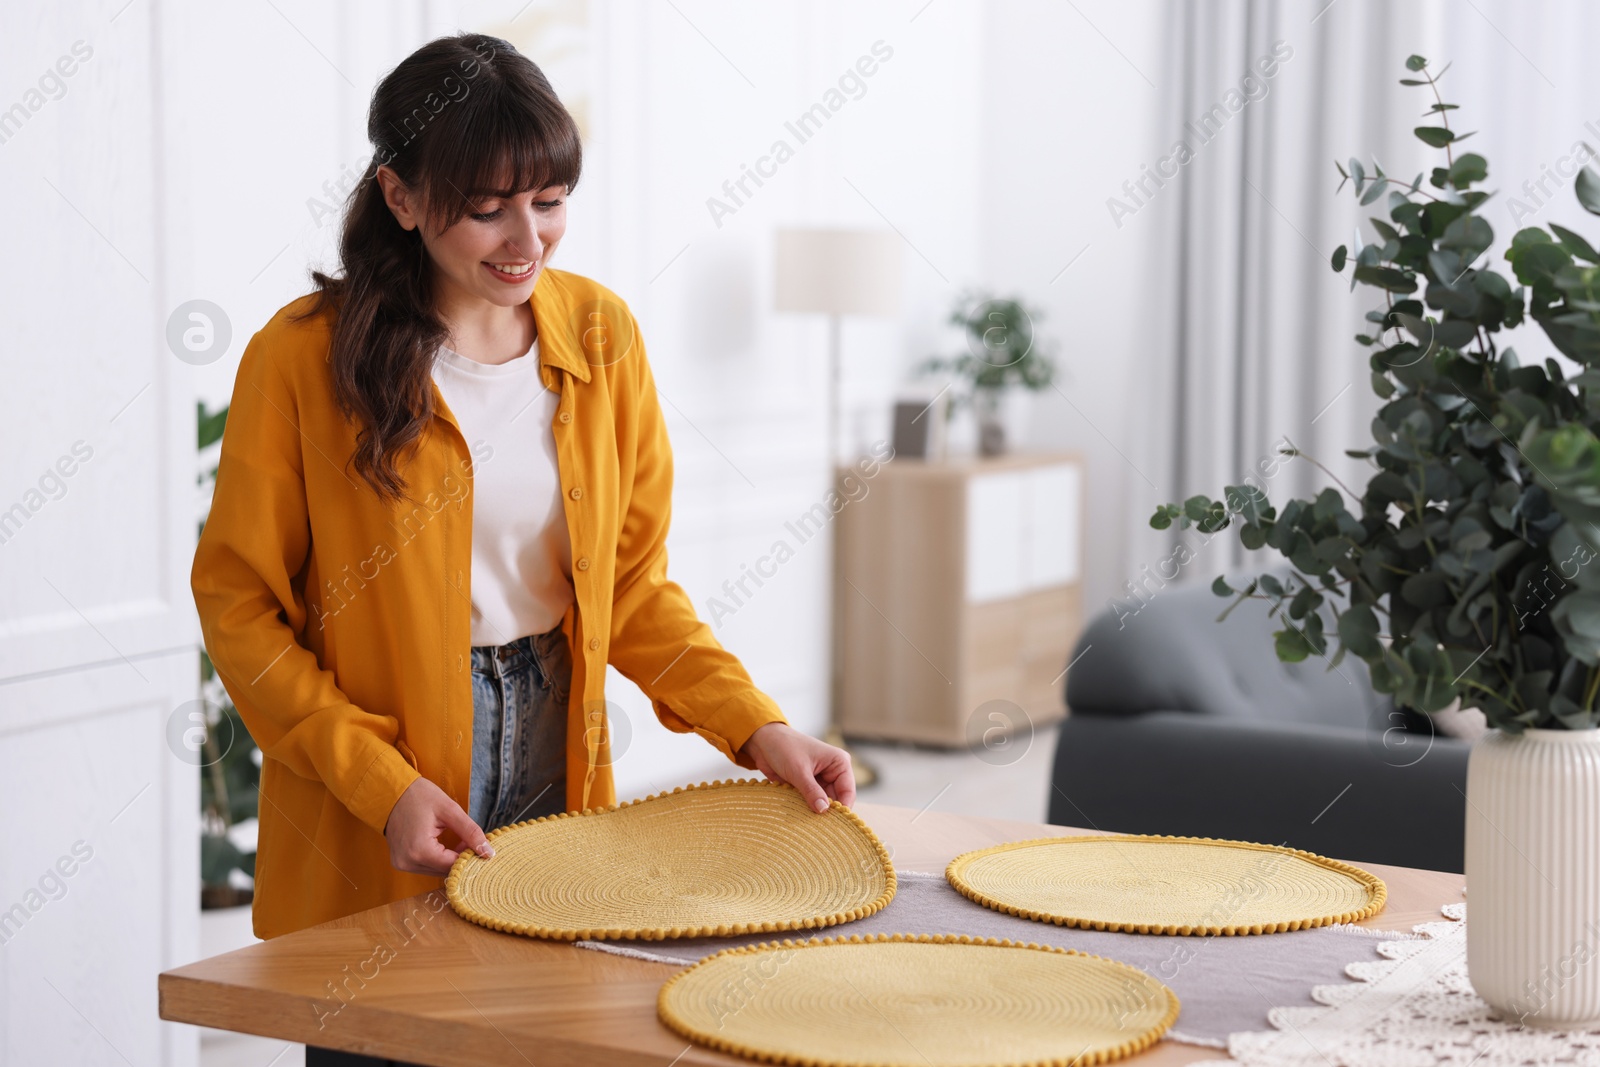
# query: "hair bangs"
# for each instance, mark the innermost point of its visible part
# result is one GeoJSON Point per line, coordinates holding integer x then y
{"type": "Point", "coordinates": [502, 143]}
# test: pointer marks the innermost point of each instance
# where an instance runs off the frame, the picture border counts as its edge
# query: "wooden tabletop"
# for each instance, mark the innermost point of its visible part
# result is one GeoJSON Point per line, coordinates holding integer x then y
{"type": "Point", "coordinates": [417, 983]}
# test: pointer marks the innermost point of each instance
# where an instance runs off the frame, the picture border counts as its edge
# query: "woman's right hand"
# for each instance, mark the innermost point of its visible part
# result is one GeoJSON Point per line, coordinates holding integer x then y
{"type": "Point", "coordinates": [423, 812]}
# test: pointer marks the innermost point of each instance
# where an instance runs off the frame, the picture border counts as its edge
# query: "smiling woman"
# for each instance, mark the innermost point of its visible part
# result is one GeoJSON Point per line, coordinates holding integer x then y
{"type": "Point", "coordinates": [403, 709]}
{"type": "Point", "coordinates": [433, 172]}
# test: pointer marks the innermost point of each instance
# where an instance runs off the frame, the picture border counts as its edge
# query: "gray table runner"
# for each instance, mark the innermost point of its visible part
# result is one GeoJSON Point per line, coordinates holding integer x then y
{"type": "Point", "coordinates": [1225, 984]}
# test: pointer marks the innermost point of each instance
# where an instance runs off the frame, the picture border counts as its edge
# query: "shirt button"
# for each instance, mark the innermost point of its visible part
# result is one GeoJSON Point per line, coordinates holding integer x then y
{"type": "Point", "coordinates": [459, 661]}
{"type": "Point", "coordinates": [594, 642]}
{"type": "Point", "coordinates": [583, 563]}
{"type": "Point", "coordinates": [577, 493]}
{"type": "Point", "coordinates": [565, 416]}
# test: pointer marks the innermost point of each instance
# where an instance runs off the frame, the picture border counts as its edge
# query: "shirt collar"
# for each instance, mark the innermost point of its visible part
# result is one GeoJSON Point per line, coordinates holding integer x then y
{"type": "Point", "coordinates": [552, 307]}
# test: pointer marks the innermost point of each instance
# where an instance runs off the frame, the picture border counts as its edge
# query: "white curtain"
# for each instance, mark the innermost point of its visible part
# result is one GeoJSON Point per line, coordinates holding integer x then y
{"type": "Point", "coordinates": [1253, 341]}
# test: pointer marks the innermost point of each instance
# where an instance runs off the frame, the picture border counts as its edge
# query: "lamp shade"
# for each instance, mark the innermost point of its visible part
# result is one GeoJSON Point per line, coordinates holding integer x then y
{"type": "Point", "coordinates": [839, 272]}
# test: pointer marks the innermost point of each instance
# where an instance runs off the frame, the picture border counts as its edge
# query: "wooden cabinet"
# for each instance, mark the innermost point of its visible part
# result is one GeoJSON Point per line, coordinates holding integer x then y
{"type": "Point", "coordinates": [957, 596]}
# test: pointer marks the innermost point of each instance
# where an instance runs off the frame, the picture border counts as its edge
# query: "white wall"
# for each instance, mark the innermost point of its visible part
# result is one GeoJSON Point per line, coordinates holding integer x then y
{"type": "Point", "coordinates": [1070, 112]}
{"type": "Point", "coordinates": [100, 865]}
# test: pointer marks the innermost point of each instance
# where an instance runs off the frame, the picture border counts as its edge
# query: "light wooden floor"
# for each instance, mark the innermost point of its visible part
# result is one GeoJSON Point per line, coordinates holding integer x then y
{"type": "Point", "coordinates": [1011, 784]}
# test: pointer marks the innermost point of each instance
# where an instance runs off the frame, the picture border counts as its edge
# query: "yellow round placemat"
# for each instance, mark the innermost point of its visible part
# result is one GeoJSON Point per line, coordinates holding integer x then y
{"type": "Point", "coordinates": [1166, 885]}
{"type": "Point", "coordinates": [719, 858]}
{"type": "Point", "coordinates": [919, 1000]}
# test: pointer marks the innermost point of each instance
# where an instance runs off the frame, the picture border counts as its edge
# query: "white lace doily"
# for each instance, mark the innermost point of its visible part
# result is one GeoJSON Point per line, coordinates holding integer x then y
{"type": "Point", "coordinates": [1413, 1008]}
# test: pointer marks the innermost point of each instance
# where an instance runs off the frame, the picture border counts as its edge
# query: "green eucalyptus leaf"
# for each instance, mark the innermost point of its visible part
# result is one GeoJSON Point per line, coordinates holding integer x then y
{"type": "Point", "coordinates": [1574, 548]}
{"type": "Point", "coordinates": [1417, 327]}
{"type": "Point", "coordinates": [1460, 298]}
{"type": "Point", "coordinates": [1196, 508]}
{"type": "Point", "coordinates": [1468, 234]}
{"type": "Point", "coordinates": [1575, 244]}
{"type": "Point", "coordinates": [1306, 600]}
{"type": "Point", "coordinates": [1588, 189]}
{"type": "Point", "coordinates": [1248, 502]}
{"type": "Point", "coordinates": [1386, 278]}
{"type": "Point", "coordinates": [1469, 167]}
{"type": "Point", "coordinates": [1430, 589]}
{"type": "Point", "coordinates": [1358, 630]}
{"type": "Point", "coordinates": [1455, 333]}
{"type": "Point", "coordinates": [1576, 618]}
{"type": "Point", "coordinates": [1445, 265]}
{"type": "Point", "coordinates": [1291, 646]}
{"type": "Point", "coordinates": [1571, 714]}
{"type": "Point", "coordinates": [1492, 285]}
{"type": "Point", "coordinates": [1536, 263]}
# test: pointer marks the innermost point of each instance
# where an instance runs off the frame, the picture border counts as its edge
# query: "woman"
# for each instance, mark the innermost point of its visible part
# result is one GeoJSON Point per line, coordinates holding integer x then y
{"type": "Point", "coordinates": [441, 511]}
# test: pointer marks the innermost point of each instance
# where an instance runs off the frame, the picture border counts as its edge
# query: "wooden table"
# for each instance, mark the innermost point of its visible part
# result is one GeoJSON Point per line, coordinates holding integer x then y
{"type": "Point", "coordinates": [420, 984]}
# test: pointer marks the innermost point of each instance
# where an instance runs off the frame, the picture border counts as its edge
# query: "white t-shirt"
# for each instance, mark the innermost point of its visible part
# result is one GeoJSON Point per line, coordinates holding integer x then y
{"type": "Point", "coordinates": [521, 551]}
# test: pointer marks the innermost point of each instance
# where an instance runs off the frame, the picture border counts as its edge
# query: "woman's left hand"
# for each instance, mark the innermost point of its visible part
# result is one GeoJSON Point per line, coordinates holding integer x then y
{"type": "Point", "coordinates": [814, 767]}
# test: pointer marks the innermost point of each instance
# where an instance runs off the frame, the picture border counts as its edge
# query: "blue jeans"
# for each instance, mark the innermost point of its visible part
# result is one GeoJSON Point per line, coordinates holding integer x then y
{"type": "Point", "coordinates": [519, 746]}
{"type": "Point", "coordinates": [519, 729]}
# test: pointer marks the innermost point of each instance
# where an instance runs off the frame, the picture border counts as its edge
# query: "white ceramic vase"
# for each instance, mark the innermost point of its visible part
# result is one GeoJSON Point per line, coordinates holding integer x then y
{"type": "Point", "coordinates": [1533, 876]}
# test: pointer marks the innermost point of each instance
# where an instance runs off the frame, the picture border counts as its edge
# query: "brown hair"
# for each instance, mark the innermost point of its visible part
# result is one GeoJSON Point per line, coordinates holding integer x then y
{"type": "Point", "coordinates": [451, 120]}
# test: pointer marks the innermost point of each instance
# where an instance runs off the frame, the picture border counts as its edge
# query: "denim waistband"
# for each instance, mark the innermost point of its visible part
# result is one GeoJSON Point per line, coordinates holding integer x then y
{"type": "Point", "coordinates": [519, 652]}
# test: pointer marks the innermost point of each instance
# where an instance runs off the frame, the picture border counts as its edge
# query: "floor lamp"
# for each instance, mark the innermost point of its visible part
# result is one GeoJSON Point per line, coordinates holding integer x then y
{"type": "Point", "coordinates": [837, 273]}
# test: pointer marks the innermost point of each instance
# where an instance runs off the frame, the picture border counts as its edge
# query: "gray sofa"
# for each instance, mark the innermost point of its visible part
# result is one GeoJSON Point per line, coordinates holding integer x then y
{"type": "Point", "coordinates": [1182, 725]}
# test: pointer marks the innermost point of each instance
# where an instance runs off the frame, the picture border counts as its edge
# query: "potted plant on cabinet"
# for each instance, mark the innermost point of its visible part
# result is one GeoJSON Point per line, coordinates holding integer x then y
{"type": "Point", "coordinates": [1003, 362]}
{"type": "Point", "coordinates": [1466, 569]}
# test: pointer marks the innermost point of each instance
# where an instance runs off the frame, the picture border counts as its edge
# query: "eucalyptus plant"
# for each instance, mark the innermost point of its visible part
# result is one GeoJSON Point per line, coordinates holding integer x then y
{"type": "Point", "coordinates": [1463, 570]}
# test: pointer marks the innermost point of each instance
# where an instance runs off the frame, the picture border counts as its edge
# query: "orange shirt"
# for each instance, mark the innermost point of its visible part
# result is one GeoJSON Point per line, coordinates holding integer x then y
{"type": "Point", "coordinates": [341, 627]}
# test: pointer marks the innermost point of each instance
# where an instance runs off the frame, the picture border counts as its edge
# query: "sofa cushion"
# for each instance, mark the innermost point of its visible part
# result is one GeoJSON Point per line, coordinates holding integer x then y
{"type": "Point", "coordinates": [1170, 654]}
{"type": "Point", "coordinates": [1366, 799]}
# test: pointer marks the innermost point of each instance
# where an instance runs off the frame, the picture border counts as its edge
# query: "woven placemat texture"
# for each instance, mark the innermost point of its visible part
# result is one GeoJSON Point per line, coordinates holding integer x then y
{"type": "Point", "coordinates": [918, 1001]}
{"type": "Point", "coordinates": [718, 858]}
{"type": "Point", "coordinates": [1166, 885]}
{"type": "Point", "coordinates": [1226, 984]}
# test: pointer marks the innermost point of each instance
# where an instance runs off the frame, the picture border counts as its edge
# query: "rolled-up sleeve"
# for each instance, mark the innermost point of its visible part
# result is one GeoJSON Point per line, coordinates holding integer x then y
{"type": "Point", "coordinates": [254, 542]}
